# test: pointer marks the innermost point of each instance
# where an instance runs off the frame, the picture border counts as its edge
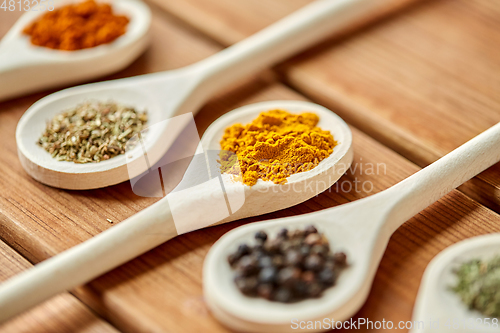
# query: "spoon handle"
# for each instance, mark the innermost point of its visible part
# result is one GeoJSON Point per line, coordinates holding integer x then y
{"type": "Point", "coordinates": [431, 183]}
{"type": "Point", "coordinates": [288, 36]}
{"type": "Point", "coordinates": [88, 260]}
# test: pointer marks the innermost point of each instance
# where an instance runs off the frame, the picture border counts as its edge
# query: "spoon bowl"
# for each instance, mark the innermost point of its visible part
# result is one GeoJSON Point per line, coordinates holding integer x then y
{"type": "Point", "coordinates": [343, 227]}
{"type": "Point", "coordinates": [361, 229]}
{"type": "Point", "coordinates": [435, 299]}
{"type": "Point", "coordinates": [25, 68]}
{"type": "Point", "coordinates": [266, 196]}
{"type": "Point", "coordinates": [141, 92]}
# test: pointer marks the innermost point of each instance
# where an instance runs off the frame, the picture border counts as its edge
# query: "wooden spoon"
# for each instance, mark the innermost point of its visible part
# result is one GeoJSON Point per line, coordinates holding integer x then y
{"type": "Point", "coordinates": [177, 92]}
{"type": "Point", "coordinates": [361, 228]}
{"type": "Point", "coordinates": [437, 308]}
{"type": "Point", "coordinates": [26, 68]}
{"type": "Point", "coordinates": [197, 202]}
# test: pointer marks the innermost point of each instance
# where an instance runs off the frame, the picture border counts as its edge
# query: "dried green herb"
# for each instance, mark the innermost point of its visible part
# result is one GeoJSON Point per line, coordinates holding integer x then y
{"type": "Point", "coordinates": [479, 286]}
{"type": "Point", "coordinates": [92, 132]}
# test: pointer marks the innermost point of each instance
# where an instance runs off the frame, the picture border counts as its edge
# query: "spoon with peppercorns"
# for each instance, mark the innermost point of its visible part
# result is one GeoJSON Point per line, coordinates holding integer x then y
{"type": "Point", "coordinates": [26, 68]}
{"type": "Point", "coordinates": [271, 276]}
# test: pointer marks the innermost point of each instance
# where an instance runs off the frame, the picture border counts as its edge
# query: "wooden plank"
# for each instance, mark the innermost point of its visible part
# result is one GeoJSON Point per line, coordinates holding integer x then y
{"type": "Point", "coordinates": [423, 82]}
{"type": "Point", "coordinates": [162, 290]}
{"type": "Point", "coordinates": [63, 313]}
{"type": "Point", "coordinates": [228, 21]}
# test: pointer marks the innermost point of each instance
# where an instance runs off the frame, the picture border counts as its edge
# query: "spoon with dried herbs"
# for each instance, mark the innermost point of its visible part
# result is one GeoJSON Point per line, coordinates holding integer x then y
{"type": "Point", "coordinates": [478, 285]}
{"type": "Point", "coordinates": [361, 229]}
{"type": "Point", "coordinates": [460, 289]}
{"type": "Point", "coordinates": [178, 92]}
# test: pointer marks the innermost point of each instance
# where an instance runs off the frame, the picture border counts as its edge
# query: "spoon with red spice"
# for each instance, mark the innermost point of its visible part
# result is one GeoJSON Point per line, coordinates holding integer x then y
{"type": "Point", "coordinates": [26, 68]}
{"type": "Point", "coordinates": [361, 229]}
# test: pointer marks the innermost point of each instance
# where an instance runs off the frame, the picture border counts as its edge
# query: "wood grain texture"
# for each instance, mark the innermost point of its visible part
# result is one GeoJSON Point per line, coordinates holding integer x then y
{"type": "Point", "coordinates": [422, 82]}
{"type": "Point", "coordinates": [63, 313]}
{"type": "Point", "coordinates": [228, 21]}
{"type": "Point", "coordinates": [161, 291]}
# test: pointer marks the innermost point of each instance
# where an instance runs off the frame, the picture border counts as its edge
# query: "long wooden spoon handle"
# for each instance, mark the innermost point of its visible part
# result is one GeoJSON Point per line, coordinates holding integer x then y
{"type": "Point", "coordinates": [288, 36]}
{"type": "Point", "coordinates": [88, 260]}
{"type": "Point", "coordinates": [431, 183]}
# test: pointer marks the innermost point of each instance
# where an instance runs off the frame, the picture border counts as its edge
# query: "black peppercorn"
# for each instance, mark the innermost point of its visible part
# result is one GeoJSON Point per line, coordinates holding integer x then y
{"type": "Point", "coordinates": [313, 262]}
{"type": "Point", "coordinates": [293, 258]}
{"type": "Point", "coordinates": [300, 289]}
{"type": "Point", "coordinates": [261, 236]}
{"type": "Point", "coordinates": [304, 250]}
{"type": "Point", "coordinates": [340, 259]}
{"type": "Point", "coordinates": [313, 239]}
{"type": "Point", "coordinates": [307, 276]}
{"type": "Point", "coordinates": [247, 265]}
{"type": "Point", "coordinates": [321, 250]}
{"type": "Point", "coordinates": [247, 286]}
{"type": "Point", "coordinates": [243, 249]}
{"type": "Point", "coordinates": [273, 245]}
{"type": "Point", "coordinates": [258, 252]}
{"type": "Point", "coordinates": [288, 276]}
{"type": "Point", "coordinates": [265, 261]}
{"type": "Point", "coordinates": [233, 259]}
{"type": "Point", "coordinates": [327, 277]}
{"type": "Point", "coordinates": [283, 295]}
{"type": "Point", "coordinates": [283, 233]}
{"type": "Point", "coordinates": [265, 290]}
{"type": "Point", "coordinates": [278, 261]}
{"type": "Point", "coordinates": [330, 264]}
{"type": "Point", "coordinates": [268, 275]}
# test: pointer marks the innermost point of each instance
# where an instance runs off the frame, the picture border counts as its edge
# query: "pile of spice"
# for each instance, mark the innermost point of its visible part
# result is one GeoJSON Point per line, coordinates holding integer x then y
{"type": "Point", "coordinates": [77, 26]}
{"type": "Point", "coordinates": [294, 266]}
{"type": "Point", "coordinates": [479, 286]}
{"type": "Point", "coordinates": [92, 132]}
{"type": "Point", "coordinates": [274, 146]}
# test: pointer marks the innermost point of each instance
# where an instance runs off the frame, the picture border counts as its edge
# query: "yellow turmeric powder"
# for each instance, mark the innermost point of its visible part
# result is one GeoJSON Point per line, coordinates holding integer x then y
{"type": "Point", "coordinates": [77, 26]}
{"type": "Point", "coordinates": [274, 146]}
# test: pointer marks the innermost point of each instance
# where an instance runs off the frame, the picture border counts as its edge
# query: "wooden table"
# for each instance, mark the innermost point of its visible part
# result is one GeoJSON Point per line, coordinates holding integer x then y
{"type": "Point", "coordinates": [413, 86]}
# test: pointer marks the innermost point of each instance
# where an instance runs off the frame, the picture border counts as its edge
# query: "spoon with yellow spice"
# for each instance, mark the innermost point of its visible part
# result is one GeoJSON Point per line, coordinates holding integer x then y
{"type": "Point", "coordinates": [274, 155]}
